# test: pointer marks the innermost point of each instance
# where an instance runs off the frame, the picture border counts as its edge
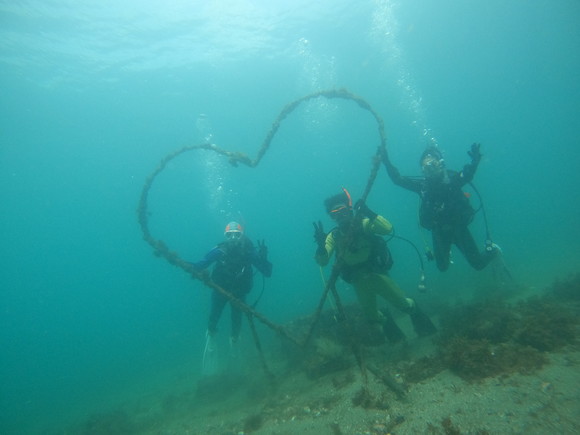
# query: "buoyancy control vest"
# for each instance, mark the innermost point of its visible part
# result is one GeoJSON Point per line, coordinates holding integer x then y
{"type": "Point", "coordinates": [379, 259]}
{"type": "Point", "coordinates": [233, 271]}
{"type": "Point", "coordinates": [445, 204]}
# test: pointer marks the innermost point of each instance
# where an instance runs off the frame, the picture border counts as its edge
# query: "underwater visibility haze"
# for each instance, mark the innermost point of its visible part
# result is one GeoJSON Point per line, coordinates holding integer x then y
{"type": "Point", "coordinates": [94, 94]}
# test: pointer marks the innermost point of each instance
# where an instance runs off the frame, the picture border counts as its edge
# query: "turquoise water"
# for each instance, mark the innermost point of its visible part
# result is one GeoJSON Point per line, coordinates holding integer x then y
{"type": "Point", "coordinates": [94, 94]}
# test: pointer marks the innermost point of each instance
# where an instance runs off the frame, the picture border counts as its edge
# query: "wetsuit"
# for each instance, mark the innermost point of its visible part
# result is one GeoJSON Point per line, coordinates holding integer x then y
{"type": "Point", "coordinates": [362, 266]}
{"type": "Point", "coordinates": [233, 271]}
{"type": "Point", "coordinates": [446, 211]}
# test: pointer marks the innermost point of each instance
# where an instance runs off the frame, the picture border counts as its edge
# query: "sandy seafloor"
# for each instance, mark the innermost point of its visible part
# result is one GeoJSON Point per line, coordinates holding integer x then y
{"type": "Point", "coordinates": [315, 401]}
{"type": "Point", "coordinates": [545, 402]}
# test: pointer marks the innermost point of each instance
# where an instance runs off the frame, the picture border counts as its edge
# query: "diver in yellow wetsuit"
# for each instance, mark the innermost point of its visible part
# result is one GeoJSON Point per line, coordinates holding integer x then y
{"type": "Point", "coordinates": [364, 261]}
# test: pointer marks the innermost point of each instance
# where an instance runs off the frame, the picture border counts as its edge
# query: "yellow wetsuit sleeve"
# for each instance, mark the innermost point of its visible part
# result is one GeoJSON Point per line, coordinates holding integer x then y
{"type": "Point", "coordinates": [323, 258]}
{"type": "Point", "coordinates": [378, 225]}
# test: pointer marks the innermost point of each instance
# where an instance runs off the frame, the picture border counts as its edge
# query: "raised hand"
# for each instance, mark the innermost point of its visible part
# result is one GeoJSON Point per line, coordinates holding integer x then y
{"type": "Point", "coordinates": [262, 249]}
{"type": "Point", "coordinates": [319, 234]}
{"type": "Point", "coordinates": [474, 153]}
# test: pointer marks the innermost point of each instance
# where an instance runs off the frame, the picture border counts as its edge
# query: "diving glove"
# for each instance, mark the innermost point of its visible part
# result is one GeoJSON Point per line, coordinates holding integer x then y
{"type": "Point", "coordinates": [262, 250]}
{"type": "Point", "coordinates": [474, 153]}
{"type": "Point", "coordinates": [319, 237]}
{"type": "Point", "coordinates": [361, 207]}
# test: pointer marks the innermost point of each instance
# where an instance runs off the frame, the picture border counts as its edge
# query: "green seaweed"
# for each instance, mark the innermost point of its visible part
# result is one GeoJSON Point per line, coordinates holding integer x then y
{"type": "Point", "coordinates": [491, 320]}
{"type": "Point", "coordinates": [567, 291]}
{"type": "Point", "coordinates": [492, 337]}
{"type": "Point", "coordinates": [545, 324]}
{"type": "Point", "coordinates": [478, 359]}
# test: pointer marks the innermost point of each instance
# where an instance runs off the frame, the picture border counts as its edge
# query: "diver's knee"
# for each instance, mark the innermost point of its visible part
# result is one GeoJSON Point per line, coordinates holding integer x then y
{"type": "Point", "coordinates": [408, 305]}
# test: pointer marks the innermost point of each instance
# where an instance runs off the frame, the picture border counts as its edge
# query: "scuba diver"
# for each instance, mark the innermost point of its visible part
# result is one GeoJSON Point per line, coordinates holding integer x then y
{"type": "Point", "coordinates": [445, 209]}
{"type": "Point", "coordinates": [233, 272]}
{"type": "Point", "coordinates": [364, 261]}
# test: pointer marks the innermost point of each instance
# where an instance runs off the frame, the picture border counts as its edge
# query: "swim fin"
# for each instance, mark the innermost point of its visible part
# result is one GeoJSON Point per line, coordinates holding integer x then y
{"type": "Point", "coordinates": [391, 330]}
{"type": "Point", "coordinates": [501, 273]}
{"type": "Point", "coordinates": [209, 363]}
{"type": "Point", "coordinates": [422, 324]}
{"type": "Point", "coordinates": [234, 356]}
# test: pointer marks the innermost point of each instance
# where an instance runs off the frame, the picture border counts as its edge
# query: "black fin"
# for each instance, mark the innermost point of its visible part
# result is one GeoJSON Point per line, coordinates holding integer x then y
{"type": "Point", "coordinates": [422, 324]}
{"type": "Point", "coordinates": [392, 330]}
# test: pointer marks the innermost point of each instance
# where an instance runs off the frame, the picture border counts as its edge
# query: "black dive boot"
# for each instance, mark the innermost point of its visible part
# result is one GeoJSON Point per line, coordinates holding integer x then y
{"type": "Point", "coordinates": [422, 324]}
{"type": "Point", "coordinates": [391, 329]}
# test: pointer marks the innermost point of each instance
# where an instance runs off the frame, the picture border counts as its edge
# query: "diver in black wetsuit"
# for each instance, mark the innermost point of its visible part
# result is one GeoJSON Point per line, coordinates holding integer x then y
{"type": "Point", "coordinates": [233, 271]}
{"type": "Point", "coordinates": [445, 209]}
{"type": "Point", "coordinates": [234, 261]}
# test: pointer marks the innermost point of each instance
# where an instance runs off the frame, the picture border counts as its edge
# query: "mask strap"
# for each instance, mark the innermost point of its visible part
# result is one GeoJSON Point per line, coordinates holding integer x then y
{"type": "Point", "coordinates": [348, 196]}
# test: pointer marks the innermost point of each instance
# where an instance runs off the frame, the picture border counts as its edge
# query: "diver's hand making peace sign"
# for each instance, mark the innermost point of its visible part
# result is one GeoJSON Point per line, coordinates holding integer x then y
{"type": "Point", "coordinates": [319, 235]}
{"type": "Point", "coordinates": [262, 249]}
